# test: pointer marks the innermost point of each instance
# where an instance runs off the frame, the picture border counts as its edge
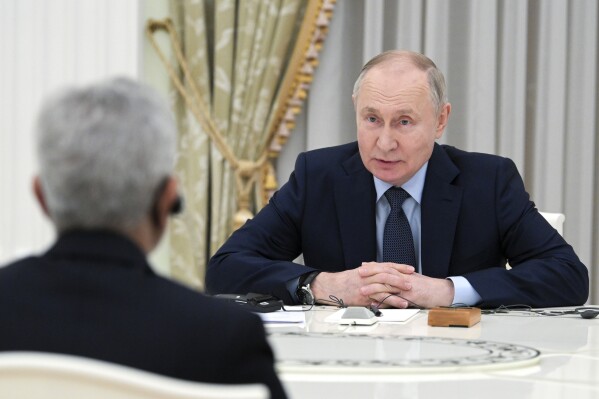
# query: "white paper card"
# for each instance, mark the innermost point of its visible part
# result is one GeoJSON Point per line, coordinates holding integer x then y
{"type": "Point", "coordinates": [283, 317]}
{"type": "Point", "coordinates": [387, 316]}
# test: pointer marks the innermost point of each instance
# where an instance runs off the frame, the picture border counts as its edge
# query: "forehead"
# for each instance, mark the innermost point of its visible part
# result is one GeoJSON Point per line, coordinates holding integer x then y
{"type": "Point", "coordinates": [394, 83]}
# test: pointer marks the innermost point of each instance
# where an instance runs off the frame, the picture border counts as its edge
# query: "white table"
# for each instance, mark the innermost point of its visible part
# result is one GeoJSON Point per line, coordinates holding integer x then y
{"type": "Point", "coordinates": [548, 357]}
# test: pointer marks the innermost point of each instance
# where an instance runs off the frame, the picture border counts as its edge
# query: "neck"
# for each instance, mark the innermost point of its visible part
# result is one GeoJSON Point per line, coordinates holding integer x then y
{"type": "Point", "coordinates": [145, 235]}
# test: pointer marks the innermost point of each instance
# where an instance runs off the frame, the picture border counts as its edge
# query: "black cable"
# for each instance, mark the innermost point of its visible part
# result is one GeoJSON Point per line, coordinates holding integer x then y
{"type": "Point", "coordinates": [584, 312]}
{"type": "Point", "coordinates": [334, 300]}
{"type": "Point", "coordinates": [509, 308]}
{"type": "Point", "coordinates": [375, 308]}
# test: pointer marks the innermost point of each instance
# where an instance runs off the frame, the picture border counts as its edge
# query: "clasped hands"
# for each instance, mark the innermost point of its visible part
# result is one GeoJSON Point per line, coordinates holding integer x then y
{"type": "Point", "coordinates": [385, 285]}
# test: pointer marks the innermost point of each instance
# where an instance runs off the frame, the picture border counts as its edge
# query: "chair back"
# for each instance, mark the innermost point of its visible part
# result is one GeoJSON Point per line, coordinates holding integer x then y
{"type": "Point", "coordinates": [556, 220]}
{"type": "Point", "coordinates": [34, 375]}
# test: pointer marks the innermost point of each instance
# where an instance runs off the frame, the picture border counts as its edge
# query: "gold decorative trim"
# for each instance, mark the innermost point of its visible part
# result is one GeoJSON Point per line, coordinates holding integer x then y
{"type": "Point", "coordinates": [295, 85]}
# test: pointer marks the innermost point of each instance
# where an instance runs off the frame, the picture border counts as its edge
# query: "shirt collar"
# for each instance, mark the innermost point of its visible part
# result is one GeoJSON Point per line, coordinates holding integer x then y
{"type": "Point", "coordinates": [414, 186]}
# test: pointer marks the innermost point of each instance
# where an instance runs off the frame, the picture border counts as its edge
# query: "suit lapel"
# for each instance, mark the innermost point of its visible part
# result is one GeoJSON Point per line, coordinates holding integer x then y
{"type": "Point", "coordinates": [440, 210]}
{"type": "Point", "coordinates": [355, 198]}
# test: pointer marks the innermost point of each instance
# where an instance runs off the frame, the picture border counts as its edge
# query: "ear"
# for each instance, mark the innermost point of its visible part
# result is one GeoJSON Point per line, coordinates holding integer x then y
{"type": "Point", "coordinates": [166, 200]}
{"type": "Point", "coordinates": [442, 120]}
{"type": "Point", "coordinates": [39, 195]}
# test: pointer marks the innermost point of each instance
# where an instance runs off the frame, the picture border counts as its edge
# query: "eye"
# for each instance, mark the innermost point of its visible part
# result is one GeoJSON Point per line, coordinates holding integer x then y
{"type": "Point", "coordinates": [371, 119]}
{"type": "Point", "coordinates": [404, 122]}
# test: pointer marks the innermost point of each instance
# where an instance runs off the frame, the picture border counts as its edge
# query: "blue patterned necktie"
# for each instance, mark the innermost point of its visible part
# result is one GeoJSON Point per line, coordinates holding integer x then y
{"type": "Point", "coordinates": [398, 244]}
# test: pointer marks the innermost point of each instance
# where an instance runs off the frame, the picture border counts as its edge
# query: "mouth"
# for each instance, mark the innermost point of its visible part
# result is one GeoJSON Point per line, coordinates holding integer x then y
{"type": "Point", "coordinates": [386, 162]}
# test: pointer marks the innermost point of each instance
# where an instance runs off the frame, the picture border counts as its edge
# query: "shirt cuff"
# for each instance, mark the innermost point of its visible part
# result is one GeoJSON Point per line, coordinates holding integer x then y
{"type": "Point", "coordinates": [464, 293]}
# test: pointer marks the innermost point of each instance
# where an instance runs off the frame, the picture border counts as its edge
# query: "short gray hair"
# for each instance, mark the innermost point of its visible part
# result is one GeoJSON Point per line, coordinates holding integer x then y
{"type": "Point", "coordinates": [103, 152]}
{"type": "Point", "coordinates": [436, 80]}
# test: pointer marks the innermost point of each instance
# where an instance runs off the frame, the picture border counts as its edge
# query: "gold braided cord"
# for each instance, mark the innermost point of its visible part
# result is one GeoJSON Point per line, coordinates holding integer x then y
{"type": "Point", "coordinates": [246, 171]}
{"type": "Point", "coordinates": [295, 85]}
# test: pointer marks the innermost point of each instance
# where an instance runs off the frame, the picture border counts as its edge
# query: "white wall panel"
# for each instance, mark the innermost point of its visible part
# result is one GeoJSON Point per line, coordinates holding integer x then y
{"type": "Point", "coordinates": [550, 103]}
{"type": "Point", "coordinates": [581, 130]}
{"type": "Point", "coordinates": [436, 41]}
{"type": "Point", "coordinates": [482, 67]}
{"type": "Point", "coordinates": [46, 45]}
{"type": "Point", "coordinates": [373, 29]}
{"type": "Point", "coordinates": [408, 28]}
{"type": "Point", "coordinates": [511, 115]}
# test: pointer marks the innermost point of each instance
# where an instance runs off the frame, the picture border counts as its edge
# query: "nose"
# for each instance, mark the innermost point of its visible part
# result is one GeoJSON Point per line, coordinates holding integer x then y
{"type": "Point", "coordinates": [387, 140]}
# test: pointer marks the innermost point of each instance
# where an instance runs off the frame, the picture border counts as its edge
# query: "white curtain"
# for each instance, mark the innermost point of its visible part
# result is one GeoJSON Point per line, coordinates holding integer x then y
{"type": "Point", "coordinates": [522, 79]}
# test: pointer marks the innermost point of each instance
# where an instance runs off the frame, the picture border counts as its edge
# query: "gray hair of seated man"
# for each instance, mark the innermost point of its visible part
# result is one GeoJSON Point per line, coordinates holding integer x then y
{"type": "Point", "coordinates": [436, 80]}
{"type": "Point", "coordinates": [103, 152]}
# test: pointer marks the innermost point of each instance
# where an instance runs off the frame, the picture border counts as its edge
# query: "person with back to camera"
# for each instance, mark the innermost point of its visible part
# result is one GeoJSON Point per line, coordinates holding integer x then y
{"type": "Point", "coordinates": [463, 215]}
{"type": "Point", "coordinates": [106, 156]}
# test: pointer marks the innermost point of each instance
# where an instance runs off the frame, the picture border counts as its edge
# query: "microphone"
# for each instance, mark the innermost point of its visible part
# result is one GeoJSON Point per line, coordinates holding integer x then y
{"type": "Point", "coordinates": [375, 310]}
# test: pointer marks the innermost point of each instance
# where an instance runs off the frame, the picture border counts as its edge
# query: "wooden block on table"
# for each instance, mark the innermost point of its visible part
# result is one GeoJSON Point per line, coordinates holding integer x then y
{"type": "Point", "coordinates": [453, 317]}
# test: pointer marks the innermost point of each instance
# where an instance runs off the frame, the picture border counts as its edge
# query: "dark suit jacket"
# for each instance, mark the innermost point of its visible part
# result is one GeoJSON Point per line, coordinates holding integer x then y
{"type": "Point", "coordinates": [93, 294]}
{"type": "Point", "coordinates": [475, 214]}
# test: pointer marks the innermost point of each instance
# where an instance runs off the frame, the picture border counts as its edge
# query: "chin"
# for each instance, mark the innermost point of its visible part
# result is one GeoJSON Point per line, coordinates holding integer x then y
{"type": "Point", "coordinates": [389, 173]}
{"type": "Point", "coordinates": [388, 178]}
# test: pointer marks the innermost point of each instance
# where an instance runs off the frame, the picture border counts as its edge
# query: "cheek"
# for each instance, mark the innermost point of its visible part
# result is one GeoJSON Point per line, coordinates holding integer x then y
{"type": "Point", "coordinates": [423, 147]}
{"type": "Point", "coordinates": [416, 145]}
{"type": "Point", "coordinates": [366, 139]}
{"type": "Point", "coordinates": [362, 135]}
{"type": "Point", "coordinates": [364, 149]}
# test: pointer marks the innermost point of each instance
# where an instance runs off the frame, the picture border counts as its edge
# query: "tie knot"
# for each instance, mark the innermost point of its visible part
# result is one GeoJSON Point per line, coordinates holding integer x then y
{"type": "Point", "coordinates": [396, 196]}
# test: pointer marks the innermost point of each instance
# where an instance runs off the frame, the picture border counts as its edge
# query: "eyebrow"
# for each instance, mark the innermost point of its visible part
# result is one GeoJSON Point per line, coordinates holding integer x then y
{"type": "Point", "coordinates": [402, 111]}
{"type": "Point", "coordinates": [368, 109]}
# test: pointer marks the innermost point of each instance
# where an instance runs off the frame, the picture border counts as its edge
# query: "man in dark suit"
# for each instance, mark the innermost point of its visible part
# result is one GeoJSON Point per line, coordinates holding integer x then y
{"type": "Point", "coordinates": [106, 155]}
{"type": "Point", "coordinates": [466, 214]}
